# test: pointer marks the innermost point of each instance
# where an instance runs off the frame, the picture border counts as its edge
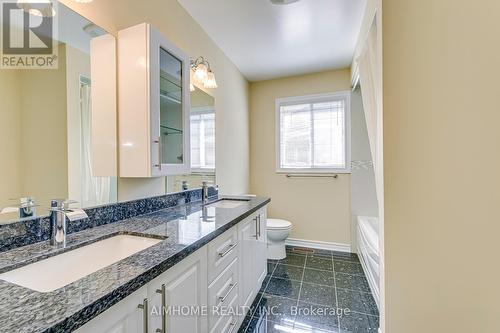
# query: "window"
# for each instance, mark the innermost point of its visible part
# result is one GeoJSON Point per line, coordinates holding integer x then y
{"type": "Point", "coordinates": [313, 133]}
{"type": "Point", "coordinates": [203, 141]}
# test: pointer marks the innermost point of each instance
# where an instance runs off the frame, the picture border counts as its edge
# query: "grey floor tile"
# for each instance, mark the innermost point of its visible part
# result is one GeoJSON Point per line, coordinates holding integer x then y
{"type": "Point", "coordinates": [353, 282]}
{"type": "Point", "coordinates": [345, 256]}
{"type": "Point", "coordinates": [254, 325]}
{"type": "Point", "coordinates": [270, 266]}
{"type": "Point", "coordinates": [265, 282]}
{"type": "Point", "coordinates": [357, 301]}
{"type": "Point", "coordinates": [294, 260]}
{"type": "Point", "coordinates": [318, 280]}
{"type": "Point", "coordinates": [255, 303]}
{"type": "Point", "coordinates": [288, 272]}
{"type": "Point", "coordinates": [317, 294]}
{"type": "Point", "coordinates": [348, 267]}
{"type": "Point", "coordinates": [357, 323]}
{"type": "Point", "coordinates": [319, 262]}
{"type": "Point", "coordinates": [325, 278]}
{"type": "Point", "coordinates": [272, 327]}
{"type": "Point", "coordinates": [283, 288]}
{"type": "Point", "coordinates": [244, 324]}
{"type": "Point", "coordinates": [277, 309]}
{"type": "Point", "coordinates": [316, 318]}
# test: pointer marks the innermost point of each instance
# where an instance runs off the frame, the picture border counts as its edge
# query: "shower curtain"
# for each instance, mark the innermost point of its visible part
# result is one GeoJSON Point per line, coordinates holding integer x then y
{"type": "Point", "coordinates": [95, 190]}
{"type": "Point", "coordinates": [369, 78]}
{"type": "Point", "coordinates": [367, 62]}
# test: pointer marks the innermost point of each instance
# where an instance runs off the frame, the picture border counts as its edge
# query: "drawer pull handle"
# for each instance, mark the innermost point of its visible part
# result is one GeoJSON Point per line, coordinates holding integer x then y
{"type": "Point", "coordinates": [163, 294]}
{"type": "Point", "coordinates": [258, 217]}
{"type": "Point", "coordinates": [231, 287]}
{"type": "Point", "coordinates": [145, 313]}
{"type": "Point", "coordinates": [233, 326]}
{"type": "Point", "coordinates": [225, 252]}
{"type": "Point", "coordinates": [257, 232]}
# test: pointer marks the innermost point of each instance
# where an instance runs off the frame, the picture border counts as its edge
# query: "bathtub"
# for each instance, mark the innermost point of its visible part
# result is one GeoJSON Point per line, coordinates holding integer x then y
{"type": "Point", "coordinates": [368, 251]}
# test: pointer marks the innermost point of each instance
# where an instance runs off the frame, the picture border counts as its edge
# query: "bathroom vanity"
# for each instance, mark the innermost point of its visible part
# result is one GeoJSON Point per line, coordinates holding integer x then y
{"type": "Point", "coordinates": [121, 262]}
{"type": "Point", "coordinates": [191, 257]}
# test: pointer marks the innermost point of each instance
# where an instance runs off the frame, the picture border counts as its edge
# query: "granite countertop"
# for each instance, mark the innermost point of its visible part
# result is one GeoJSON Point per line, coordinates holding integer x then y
{"type": "Point", "coordinates": [187, 227]}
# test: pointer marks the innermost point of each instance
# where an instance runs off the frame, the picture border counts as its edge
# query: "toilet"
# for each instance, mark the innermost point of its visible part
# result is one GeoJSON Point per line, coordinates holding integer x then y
{"type": "Point", "coordinates": [277, 232]}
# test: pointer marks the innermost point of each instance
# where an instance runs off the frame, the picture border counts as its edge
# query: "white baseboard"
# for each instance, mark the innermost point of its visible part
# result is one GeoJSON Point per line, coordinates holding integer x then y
{"type": "Point", "coordinates": [318, 245]}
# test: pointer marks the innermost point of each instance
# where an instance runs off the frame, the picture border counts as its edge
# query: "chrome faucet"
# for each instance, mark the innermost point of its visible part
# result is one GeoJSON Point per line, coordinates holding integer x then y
{"type": "Point", "coordinates": [27, 208]}
{"type": "Point", "coordinates": [204, 192]}
{"type": "Point", "coordinates": [59, 213]}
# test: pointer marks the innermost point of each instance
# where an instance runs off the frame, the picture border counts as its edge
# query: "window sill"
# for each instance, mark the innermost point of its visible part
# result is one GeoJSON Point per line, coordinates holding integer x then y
{"type": "Point", "coordinates": [313, 171]}
{"type": "Point", "coordinates": [207, 172]}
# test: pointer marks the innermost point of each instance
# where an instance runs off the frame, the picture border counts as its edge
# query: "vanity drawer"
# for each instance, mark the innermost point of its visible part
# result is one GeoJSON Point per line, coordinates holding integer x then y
{"type": "Point", "coordinates": [223, 294]}
{"type": "Point", "coordinates": [221, 252]}
{"type": "Point", "coordinates": [227, 324]}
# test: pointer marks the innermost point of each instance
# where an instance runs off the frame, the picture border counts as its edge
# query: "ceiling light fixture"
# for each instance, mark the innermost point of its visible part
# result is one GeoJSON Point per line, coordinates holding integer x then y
{"type": "Point", "coordinates": [203, 73]}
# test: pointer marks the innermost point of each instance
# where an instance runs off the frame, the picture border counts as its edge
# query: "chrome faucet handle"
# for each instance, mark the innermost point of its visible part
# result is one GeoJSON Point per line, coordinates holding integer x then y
{"type": "Point", "coordinates": [61, 204]}
{"type": "Point", "coordinates": [25, 202]}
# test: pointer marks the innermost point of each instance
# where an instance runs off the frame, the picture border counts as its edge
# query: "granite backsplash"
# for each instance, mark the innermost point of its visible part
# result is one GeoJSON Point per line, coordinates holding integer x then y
{"type": "Point", "coordinates": [28, 232]}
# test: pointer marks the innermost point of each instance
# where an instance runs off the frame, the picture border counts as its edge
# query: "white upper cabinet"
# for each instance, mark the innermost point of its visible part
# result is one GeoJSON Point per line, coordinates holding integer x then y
{"type": "Point", "coordinates": [154, 104]}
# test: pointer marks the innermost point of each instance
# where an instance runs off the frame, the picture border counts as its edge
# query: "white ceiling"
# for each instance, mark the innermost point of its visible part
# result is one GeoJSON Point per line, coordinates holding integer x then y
{"type": "Point", "coordinates": [267, 41]}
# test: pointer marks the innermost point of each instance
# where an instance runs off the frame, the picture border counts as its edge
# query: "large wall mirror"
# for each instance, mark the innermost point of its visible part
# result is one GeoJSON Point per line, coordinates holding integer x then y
{"type": "Point", "coordinates": [202, 132]}
{"type": "Point", "coordinates": [47, 128]}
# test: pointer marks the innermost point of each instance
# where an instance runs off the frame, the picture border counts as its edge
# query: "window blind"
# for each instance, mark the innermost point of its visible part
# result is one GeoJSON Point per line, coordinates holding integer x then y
{"type": "Point", "coordinates": [203, 141]}
{"type": "Point", "coordinates": [313, 135]}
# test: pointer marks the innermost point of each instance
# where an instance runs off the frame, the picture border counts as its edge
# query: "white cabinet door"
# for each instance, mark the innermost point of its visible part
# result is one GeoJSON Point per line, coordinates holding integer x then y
{"type": "Point", "coordinates": [153, 104]}
{"type": "Point", "coordinates": [247, 232]}
{"type": "Point", "coordinates": [261, 248]}
{"type": "Point", "coordinates": [183, 290]}
{"type": "Point", "coordinates": [252, 234]}
{"type": "Point", "coordinates": [125, 317]}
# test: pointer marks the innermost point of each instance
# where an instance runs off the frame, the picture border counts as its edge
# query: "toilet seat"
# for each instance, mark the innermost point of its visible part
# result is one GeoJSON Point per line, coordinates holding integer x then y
{"type": "Point", "coordinates": [278, 224]}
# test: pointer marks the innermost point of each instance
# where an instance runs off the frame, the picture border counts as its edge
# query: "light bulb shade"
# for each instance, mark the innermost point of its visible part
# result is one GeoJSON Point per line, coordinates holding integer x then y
{"type": "Point", "coordinates": [210, 82]}
{"type": "Point", "coordinates": [201, 72]}
{"type": "Point", "coordinates": [84, 1]}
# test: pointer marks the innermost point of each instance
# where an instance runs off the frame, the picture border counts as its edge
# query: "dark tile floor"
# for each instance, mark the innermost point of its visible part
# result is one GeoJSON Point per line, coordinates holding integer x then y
{"type": "Point", "coordinates": [313, 291]}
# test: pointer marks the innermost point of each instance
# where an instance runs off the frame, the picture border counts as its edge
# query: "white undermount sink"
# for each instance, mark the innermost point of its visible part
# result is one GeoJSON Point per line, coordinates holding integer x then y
{"type": "Point", "coordinates": [227, 203]}
{"type": "Point", "coordinates": [60, 270]}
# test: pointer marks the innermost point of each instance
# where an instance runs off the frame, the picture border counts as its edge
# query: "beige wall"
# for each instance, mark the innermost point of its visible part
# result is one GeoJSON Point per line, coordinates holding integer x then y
{"type": "Point", "coordinates": [318, 208]}
{"type": "Point", "coordinates": [44, 162]}
{"type": "Point", "coordinates": [34, 138]}
{"type": "Point", "coordinates": [442, 163]}
{"type": "Point", "coordinates": [231, 97]}
{"type": "Point", "coordinates": [10, 136]}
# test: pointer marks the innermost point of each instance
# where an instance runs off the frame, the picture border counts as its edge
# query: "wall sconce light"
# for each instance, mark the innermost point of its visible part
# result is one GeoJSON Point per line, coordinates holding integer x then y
{"type": "Point", "coordinates": [191, 79]}
{"type": "Point", "coordinates": [203, 73]}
